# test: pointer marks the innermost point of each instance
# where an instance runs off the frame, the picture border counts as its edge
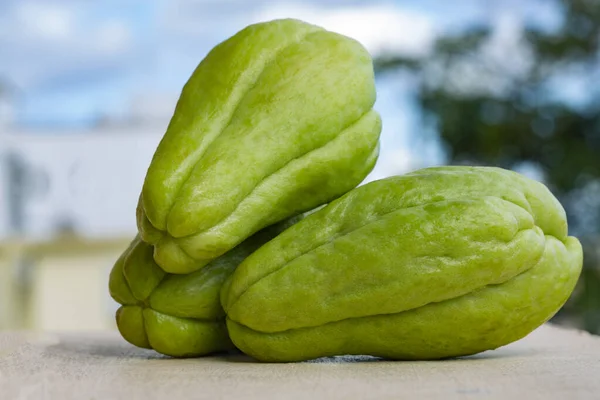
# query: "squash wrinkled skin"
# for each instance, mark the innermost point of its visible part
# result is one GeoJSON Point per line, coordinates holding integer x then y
{"type": "Point", "coordinates": [275, 121]}
{"type": "Point", "coordinates": [441, 262]}
{"type": "Point", "coordinates": [177, 315]}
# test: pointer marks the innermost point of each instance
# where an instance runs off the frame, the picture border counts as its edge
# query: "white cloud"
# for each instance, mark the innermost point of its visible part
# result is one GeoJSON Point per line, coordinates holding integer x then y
{"type": "Point", "coordinates": [113, 37]}
{"type": "Point", "coordinates": [41, 40]}
{"type": "Point", "coordinates": [46, 21]}
{"type": "Point", "coordinates": [381, 28]}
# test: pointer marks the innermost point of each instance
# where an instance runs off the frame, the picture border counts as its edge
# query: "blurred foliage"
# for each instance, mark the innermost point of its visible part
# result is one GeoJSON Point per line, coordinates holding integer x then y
{"type": "Point", "coordinates": [494, 98]}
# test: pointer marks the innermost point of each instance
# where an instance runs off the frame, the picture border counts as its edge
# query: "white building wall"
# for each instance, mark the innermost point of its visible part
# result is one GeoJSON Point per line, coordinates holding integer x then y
{"type": "Point", "coordinates": [3, 190]}
{"type": "Point", "coordinates": [91, 178]}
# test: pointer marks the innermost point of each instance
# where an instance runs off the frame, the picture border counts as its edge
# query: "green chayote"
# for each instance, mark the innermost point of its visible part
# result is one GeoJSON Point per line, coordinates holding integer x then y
{"type": "Point", "coordinates": [177, 315]}
{"type": "Point", "coordinates": [276, 120]}
{"type": "Point", "coordinates": [442, 262]}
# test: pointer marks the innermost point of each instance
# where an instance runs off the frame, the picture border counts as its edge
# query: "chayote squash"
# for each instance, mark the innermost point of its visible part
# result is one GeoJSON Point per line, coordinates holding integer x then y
{"type": "Point", "coordinates": [177, 315]}
{"type": "Point", "coordinates": [276, 120]}
{"type": "Point", "coordinates": [442, 262]}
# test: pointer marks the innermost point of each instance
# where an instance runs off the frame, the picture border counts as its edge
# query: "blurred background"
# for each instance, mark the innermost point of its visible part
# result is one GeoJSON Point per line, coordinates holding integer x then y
{"type": "Point", "coordinates": [87, 90]}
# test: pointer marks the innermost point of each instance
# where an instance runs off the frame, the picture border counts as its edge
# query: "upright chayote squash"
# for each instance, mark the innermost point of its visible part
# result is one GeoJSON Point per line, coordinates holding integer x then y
{"type": "Point", "coordinates": [276, 120]}
{"type": "Point", "coordinates": [441, 262]}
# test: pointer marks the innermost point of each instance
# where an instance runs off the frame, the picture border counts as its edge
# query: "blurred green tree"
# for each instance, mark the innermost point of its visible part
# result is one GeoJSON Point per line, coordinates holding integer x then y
{"type": "Point", "coordinates": [525, 97]}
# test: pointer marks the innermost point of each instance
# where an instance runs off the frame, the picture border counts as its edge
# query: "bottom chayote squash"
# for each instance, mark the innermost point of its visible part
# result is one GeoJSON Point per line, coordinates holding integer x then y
{"type": "Point", "coordinates": [177, 315]}
{"type": "Point", "coordinates": [441, 262]}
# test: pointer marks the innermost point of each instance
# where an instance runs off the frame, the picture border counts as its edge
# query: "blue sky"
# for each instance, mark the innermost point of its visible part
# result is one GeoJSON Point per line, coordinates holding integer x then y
{"type": "Point", "coordinates": [72, 62]}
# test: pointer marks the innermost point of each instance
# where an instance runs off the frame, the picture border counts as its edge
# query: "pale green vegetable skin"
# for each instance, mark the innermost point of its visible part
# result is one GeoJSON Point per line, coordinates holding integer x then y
{"type": "Point", "coordinates": [442, 262]}
{"type": "Point", "coordinates": [177, 315]}
{"type": "Point", "coordinates": [276, 120]}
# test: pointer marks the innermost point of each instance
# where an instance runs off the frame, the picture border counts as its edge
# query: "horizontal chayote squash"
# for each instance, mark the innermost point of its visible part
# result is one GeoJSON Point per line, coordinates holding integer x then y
{"type": "Point", "coordinates": [177, 315]}
{"type": "Point", "coordinates": [276, 120]}
{"type": "Point", "coordinates": [441, 262]}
